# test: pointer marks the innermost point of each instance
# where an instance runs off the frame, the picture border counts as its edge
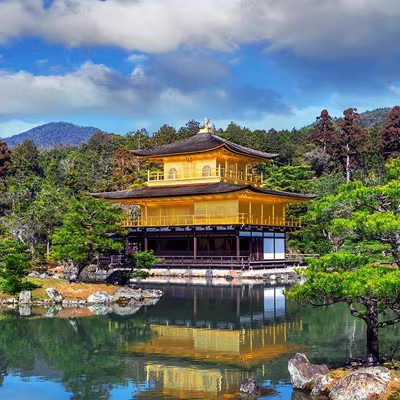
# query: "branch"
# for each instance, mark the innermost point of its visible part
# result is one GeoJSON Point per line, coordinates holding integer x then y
{"type": "Point", "coordinates": [356, 313]}
{"type": "Point", "coordinates": [389, 322]}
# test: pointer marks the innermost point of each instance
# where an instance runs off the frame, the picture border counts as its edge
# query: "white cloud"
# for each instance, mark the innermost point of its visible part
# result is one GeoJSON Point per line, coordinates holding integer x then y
{"type": "Point", "coordinates": [13, 127]}
{"type": "Point", "coordinates": [306, 26]}
{"type": "Point", "coordinates": [136, 58]}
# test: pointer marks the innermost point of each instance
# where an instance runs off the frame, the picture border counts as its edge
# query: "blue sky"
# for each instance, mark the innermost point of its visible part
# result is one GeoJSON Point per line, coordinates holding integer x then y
{"type": "Point", "coordinates": [122, 65]}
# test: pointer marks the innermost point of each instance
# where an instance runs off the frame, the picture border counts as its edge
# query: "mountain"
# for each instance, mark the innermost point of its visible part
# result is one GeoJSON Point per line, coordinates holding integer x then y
{"type": "Point", "coordinates": [377, 116]}
{"type": "Point", "coordinates": [54, 133]}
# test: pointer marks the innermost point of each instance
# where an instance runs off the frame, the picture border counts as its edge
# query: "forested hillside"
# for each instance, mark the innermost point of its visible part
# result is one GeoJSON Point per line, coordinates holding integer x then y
{"type": "Point", "coordinates": [44, 190]}
{"type": "Point", "coordinates": [54, 133]}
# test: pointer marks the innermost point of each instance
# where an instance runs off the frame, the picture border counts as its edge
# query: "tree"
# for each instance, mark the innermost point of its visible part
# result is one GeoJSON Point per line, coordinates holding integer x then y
{"type": "Point", "coordinates": [139, 140]}
{"type": "Point", "coordinates": [25, 160]}
{"type": "Point", "coordinates": [368, 290]}
{"type": "Point", "coordinates": [125, 168]}
{"type": "Point", "coordinates": [165, 135]}
{"type": "Point", "coordinates": [323, 132]}
{"type": "Point", "coordinates": [362, 224]}
{"type": "Point", "coordinates": [390, 133]}
{"type": "Point", "coordinates": [5, 159]}
{"type": "Point", "coordinates": [288, 178]}
{"type": "Point", "coordinates": [84, 231]}
{"type": "Point", "coordinates": [191, 128]}
{"type": "Point", "coordinates": [350, 143]}
{"type": "Point", "coordinates": [13, 266]}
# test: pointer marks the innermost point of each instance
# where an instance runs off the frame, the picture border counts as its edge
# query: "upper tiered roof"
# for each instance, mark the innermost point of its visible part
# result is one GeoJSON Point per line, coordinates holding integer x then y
{"type": "Point", "coordinates": [202, 142]}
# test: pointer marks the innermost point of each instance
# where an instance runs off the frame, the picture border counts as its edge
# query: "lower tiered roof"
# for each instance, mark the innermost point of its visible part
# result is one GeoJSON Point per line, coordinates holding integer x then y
{"type": "Point", "coordinates": [194, 190]}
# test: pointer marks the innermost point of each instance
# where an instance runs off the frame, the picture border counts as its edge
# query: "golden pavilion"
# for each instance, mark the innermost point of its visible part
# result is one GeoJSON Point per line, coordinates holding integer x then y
{"type": "Point", "coordinates": [207, 205]}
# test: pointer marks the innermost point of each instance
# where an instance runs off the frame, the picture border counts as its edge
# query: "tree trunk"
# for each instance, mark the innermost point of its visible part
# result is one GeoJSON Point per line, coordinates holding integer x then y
{"type": "Point", "coordinates": [372, 332]}
{"type": "Point", "coordinates": [347, 163]}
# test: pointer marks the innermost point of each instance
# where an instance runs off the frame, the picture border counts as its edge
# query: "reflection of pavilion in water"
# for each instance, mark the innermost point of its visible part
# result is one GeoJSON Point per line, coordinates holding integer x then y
{"type": "Point", "coordinates": [217, 357]}
{"type": "Point", "coordinates": [226, 307]}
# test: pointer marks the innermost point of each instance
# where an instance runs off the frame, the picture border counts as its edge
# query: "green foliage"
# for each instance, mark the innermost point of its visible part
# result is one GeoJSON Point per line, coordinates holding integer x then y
{"type": "Point", "coordinates": [296, 179]}
{"type": "Point", "coordinates": [345, 277]}
{"type": "Point", "coordinates": [14, 267]}
{"type": "Point", "coordinates": [84, 230]}
{"type": "Point", "coordinates": [142, 261]}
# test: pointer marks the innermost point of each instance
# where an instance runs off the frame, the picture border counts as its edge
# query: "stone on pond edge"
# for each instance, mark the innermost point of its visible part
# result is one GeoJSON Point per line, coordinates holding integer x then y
{"type": "Point", "coordinates": [342, 384]}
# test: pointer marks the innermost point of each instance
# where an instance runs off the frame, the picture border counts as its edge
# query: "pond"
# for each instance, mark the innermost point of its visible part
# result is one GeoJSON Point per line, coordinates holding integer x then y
{"type": "Point", "coordinates": [197, 342]}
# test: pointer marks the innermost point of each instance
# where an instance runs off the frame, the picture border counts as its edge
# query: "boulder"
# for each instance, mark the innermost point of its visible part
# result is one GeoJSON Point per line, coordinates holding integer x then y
{"type": "Point", "coordinates": [118, 277]}
{"type": "Point", "coordinates": [303, 373]}
{"type": "Point", "coordinates": [362, 384]}
{"type": "Point", "coordinates": [322, 385]}
{"type": "Point", "coordinates": [34, 274]}
{"type": "Point", "coordinates": [152, 294]}
{"type": "Point", "coordinates": [25, 297]}
{"type": "Point", "coordinates": [126, 294]}
{"type": "Point", "coordinates": [250, 387]}
{"type": "Point", "coordinates": [71, 273]}
{"type": "Point", "coordinates": [99, 298]}
{"type": "Point", "coordinates": [55, 295]}
{"type": "Point", "coordinates": [44, 275]}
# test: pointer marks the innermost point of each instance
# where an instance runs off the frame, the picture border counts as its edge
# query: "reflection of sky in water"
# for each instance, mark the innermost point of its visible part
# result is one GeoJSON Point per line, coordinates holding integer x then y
{"type": "Point", "coordinates": [17, 388]}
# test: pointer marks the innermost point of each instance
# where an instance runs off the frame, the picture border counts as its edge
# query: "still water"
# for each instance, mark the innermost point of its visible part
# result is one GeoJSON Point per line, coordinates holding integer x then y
{"type": "Point", "coordinates": [197, 342]}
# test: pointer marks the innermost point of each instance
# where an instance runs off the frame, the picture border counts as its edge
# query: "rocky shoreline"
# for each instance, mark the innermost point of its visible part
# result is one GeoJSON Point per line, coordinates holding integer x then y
{"type": "Point", "coordinates": [312, 382]}
{"type": "Point", "coordinates": [123, 301]}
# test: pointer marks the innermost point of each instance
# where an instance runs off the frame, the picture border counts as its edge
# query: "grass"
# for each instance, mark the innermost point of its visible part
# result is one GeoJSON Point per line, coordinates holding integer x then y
{"type": "Point", "coordinates": [70, 291]}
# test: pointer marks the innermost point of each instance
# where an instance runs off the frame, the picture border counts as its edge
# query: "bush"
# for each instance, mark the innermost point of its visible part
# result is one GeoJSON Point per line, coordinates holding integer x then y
{"type": "Point", "coordinates": [141, 262]}
{"type": "Point", "coordinates": [14, 267]}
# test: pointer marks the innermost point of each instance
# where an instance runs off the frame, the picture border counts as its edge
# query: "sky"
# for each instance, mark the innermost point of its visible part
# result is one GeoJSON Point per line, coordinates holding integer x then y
{"type": "Point", "coordinates": [123, 65]}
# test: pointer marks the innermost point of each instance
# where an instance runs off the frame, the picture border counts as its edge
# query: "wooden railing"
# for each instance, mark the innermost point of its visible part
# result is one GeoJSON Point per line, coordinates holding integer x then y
{"type": "Point", "coordinates": [206, 219]}
{"type": "Point", "coordinates": [224, 174]}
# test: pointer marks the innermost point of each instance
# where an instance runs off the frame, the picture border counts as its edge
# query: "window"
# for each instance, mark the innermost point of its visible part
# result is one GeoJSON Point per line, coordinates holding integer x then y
{"type": "Point", "coordinates": [173, 173]}
{"type": "Point", "coordinates": [206, 171]}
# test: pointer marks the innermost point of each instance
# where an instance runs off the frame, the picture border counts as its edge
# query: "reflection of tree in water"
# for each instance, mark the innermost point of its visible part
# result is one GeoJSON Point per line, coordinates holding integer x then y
{"type": "Point", "coordinates": [88, 352]}
{"type": "Point", "coordinates": [3, 366]}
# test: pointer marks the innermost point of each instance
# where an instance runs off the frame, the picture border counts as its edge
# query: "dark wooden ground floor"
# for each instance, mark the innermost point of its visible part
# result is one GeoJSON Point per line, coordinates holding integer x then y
{"type": "Point", "coordinates": [211, 245]}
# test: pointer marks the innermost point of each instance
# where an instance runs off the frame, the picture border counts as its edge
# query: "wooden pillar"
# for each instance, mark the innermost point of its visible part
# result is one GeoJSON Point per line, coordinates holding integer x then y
{"type": "Point", "coordinates": [194, 247]}
{"type": "Point", "coordinates": [262, 213]}
{"type": "Point", "coordinates": [238, 246]}
{"type": "Point", "coordinates": [273, 214]}
{"type": "Point", "coordinates": [250, 216]}
{"type": "Point", "coordinates": [146, 243]}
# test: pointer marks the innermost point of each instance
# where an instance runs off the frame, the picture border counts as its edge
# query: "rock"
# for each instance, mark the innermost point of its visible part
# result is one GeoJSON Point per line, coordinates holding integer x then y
{"type": "Point", "coordinates": [250, 386]}
{"type": "Point", "coordinates": [25, 296]}
{"type": "Point", "coordinates": [152, 294]}
{"type": "Point", "coordinates": [364, 383]}
{"type": "Point", "coordinates": [99, 298]}
{"type": "Point", "coordinates": [322, 385]}
{"type": "Point", "coordinates": [44, 276]}
{"type": "Point", "coordinates": [34, 274]}
{"type": "Point", "coordinates": [126, 294]}
{"type": "Point", "coordinates": [55, 295]}
{"type": "Point", "coordinates": [71, 273]}
{"type": "Point", "coordinates": [303, 373]}
{"type": "Point", "coordinates": [118, 277]}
